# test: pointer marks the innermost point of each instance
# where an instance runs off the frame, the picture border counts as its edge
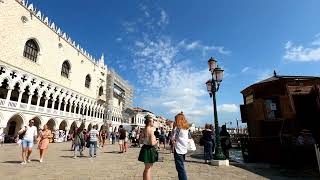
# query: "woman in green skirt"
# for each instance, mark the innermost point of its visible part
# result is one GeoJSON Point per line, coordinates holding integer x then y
{"type": "Point", "coordinates": [148, 153]}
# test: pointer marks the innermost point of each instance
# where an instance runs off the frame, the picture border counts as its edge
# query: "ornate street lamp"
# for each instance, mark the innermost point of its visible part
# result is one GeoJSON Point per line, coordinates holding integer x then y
{"type": "Point", "coordinates": [213, 86]}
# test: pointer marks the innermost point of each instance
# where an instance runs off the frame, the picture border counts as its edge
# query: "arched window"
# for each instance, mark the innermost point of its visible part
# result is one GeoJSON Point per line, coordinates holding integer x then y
{"type": "Point", "coordinates": [31, 50]}
{"type": "Point", "coordinates": [101, 91]}
{"type": "Point", "coordinates": [65, 70]}
{"type": "Point", "coordinates": [88, 81]}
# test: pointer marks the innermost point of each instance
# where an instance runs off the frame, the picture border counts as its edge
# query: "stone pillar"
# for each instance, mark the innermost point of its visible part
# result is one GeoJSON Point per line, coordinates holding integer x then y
{"type": "Point", "coordinates": [46, 102]}
{"type": "Point", "coordinates": [87, 114]}
{"type": "Point", "coordinates": [38, 101]}
{"type": "Point", "coordinates": [65, 107]}
{"type": "Point", "coordinates": [79, 109]}
{"type": "Point", "coordinates": [29, 99]}
{"type": "Point", "coordinates": [19, 98]}
{"type": "Point", "coordinates": [70, 106]}
{"type": "Point", "coordinates": [59, 106]}
{"type": "Point", "coordinates": [52, 107]}
{"type": "Point", "coordinates": [66, 134]}
{"type": "Point", "coordinates": [8, 96]}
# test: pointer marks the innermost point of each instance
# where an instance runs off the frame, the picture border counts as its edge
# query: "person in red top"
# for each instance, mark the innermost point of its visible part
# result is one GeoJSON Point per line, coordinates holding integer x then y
{"type": "Point", "coordinates": [103, 136]}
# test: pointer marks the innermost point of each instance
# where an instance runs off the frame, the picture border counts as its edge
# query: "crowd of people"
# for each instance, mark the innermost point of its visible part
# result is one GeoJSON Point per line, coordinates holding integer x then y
{"type": "Point", "coordinates": [151, 140]}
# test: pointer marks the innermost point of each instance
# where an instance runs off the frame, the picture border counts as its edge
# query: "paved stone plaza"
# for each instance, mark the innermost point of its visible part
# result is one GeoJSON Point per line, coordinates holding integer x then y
{"type": "Point", "coordinates": [59, 164]}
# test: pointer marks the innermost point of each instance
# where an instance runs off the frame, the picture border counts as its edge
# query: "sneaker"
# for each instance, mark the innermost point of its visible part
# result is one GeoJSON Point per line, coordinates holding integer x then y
{"type": "Point", "coordinates": [74, 157]}
{"type": "Point", "coordinates": [40, 160]}
{"type": "Point", "coordinates": [23, 163]}
{"type": "Point", "coordinates": [28, 160]}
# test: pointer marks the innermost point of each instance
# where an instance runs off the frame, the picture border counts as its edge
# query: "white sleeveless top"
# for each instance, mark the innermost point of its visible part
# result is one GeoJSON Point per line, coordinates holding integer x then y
{"type": "Point", "coordinates": [181, 136]}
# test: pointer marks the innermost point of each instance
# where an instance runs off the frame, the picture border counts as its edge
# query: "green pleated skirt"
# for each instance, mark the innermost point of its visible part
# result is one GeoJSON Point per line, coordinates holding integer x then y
{"type": "Point", "coordinates": [148, 154]}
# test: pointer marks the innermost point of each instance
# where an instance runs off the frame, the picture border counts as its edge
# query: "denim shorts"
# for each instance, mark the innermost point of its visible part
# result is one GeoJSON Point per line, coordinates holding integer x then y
{"type": "Point", "coordinates": [27, 143]}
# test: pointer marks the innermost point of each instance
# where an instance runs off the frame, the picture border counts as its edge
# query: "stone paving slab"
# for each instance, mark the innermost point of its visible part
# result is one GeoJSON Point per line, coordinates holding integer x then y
{"type": "Point", "coordinates": [109, 164]}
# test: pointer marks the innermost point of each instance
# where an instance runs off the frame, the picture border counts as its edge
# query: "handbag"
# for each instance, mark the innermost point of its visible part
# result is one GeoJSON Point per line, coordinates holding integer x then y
{"type": "Point", "coordinates": [191, 145]}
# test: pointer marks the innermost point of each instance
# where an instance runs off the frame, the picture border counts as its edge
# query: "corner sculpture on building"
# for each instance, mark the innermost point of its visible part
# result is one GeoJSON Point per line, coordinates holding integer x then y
{"type": "Point", "coordinates": [46, 76]}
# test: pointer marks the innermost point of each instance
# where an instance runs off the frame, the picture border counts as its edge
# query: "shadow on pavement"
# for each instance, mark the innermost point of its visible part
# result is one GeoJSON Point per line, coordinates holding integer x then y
{"type": "Point", "coordinates": [193, 161]}
{"type": "Point", "coordinates": [113, 152]}
{"type": "Point", "coordinates": [71, 156]}
{"type": "Point", "coordinates": [12, 162]}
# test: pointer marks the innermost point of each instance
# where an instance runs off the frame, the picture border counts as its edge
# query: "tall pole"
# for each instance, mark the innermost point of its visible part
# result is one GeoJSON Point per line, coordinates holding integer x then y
{"type": "Point", "coordinates": [218, 149]}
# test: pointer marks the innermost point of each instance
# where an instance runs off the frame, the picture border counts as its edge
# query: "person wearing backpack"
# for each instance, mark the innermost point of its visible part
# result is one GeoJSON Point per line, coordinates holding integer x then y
{"type": "Point", "coordinates": [78, 142]}
{"type": "Point", "coordinates": [122, 137]}
{"type": "Point", "coordinates": [207, 141]}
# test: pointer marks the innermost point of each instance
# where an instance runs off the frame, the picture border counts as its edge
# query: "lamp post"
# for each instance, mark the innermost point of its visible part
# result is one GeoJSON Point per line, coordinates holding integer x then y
{"type": "Point", "coordinates": [213, 86]}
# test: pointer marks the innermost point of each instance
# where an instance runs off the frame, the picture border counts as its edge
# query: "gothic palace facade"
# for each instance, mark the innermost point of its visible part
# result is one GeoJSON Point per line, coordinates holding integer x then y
{"type": "Point", "coordinates": [46, 76]}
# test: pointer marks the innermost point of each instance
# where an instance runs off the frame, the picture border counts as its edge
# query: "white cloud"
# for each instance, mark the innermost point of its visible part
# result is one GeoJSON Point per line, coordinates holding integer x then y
{"type": "Point", "coordinates": [301, 53]}
{"type": "Point", "coordinates": [167, 80]}
{"type": "Point", "coordinates": [164, 20]}
{"type": "Point", "coordinates": [129, 27]}
{"type": "Point", "coordinates": [245, 69]}
{"type": "Point", "coordinates": [119, 39]}
{"type": "Point", "coordinates": [204, 48]}
{"type": "Point", "coordinates": [173, 84]}
{"type": "Point", "coordinates": [229, 108]}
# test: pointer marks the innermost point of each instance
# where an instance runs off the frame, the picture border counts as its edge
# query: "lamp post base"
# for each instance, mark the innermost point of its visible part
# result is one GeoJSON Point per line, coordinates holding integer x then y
{"type": "Point", "coordinates": [220, 162]}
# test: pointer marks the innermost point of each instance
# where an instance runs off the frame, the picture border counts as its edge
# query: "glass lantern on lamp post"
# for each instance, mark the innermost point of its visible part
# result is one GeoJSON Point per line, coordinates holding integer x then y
{"type": "Point", "coordinates": [213, 86]}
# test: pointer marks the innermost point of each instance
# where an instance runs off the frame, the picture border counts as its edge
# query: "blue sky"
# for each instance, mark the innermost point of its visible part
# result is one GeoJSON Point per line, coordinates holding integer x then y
{"type": "Point", "coordinates": [162, 47]}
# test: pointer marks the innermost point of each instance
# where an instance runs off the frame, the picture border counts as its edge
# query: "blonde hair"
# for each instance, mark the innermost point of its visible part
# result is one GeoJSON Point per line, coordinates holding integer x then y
{"type": "Point", "coordinates": [181, 121]}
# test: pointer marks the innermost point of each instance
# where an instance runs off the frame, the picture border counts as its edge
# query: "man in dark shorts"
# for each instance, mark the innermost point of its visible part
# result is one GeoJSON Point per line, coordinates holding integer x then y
{"type": "Point", "coordinates": [122, 137]}
{"type": "Point", "coordinates": [162, 138]}
{"type": "Point", "coordinates": [157, 135]}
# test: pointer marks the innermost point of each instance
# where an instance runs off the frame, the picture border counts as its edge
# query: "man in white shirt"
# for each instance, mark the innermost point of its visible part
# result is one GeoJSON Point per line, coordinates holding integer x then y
{"type": "Point", "coordinates": [94, 136]}
{"type": "Point", "coordinates": [30, 134]}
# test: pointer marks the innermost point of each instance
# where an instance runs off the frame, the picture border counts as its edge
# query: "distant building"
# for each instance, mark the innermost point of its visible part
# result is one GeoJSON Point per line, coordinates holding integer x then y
{"type": "Point", "coordinates": [119, 105]}
{"type": "Point", "coordinates": [48, 77]}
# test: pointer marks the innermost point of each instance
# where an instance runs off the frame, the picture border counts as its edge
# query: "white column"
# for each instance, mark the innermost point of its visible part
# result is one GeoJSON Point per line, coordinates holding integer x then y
{"type": "Point", "coordinates": [75, 108]}
{"type": "Point", "coordinates": [46, 102]}
{"type": "Point", "coordinates": [29, 99]}
{"type": "Point", "coordinates": [8, 96]}
{"type": "Point", "coordinates": [65, 107]}
{"type": "Point", "coordinates": [52, 107]}
{"type": "Point", "coordinates": [67, 132]}
{"type": "Point", "coordinates": [70, 107]}
{"type": "Point", "coordinates": [80, 105]}
{"type": "Point", "coordinates": [87, 115]}
{"type": "Point", "coordinates": [38, 101]}
{"type": "Point", "coordinates": [19, 98]}
{"type": "Point", "coordinates": [59, 106]}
